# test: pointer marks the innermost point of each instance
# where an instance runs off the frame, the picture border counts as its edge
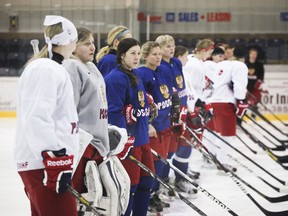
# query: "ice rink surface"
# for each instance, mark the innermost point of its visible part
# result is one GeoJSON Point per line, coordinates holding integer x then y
{"type": "Point", "coordinates": [13, 201]}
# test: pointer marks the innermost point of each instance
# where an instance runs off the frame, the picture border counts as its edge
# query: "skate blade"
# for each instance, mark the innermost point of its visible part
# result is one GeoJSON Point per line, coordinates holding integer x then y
{"type": "Point", "coordinates": [151, 212]}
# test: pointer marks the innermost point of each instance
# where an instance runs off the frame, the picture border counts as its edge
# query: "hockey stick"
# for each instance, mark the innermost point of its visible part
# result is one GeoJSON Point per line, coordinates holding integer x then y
{"type": "Point", "coordinates": [278, 159]}
{"type": "Point", "coordinates": [257, 113]}
{"type": "Point", "coordinates": [251, 171]}
{"type": "Point", "coordinates": [242, 141]}
{"type": "Point", "coordinates": [161, 181]}
{"type": "Point", "coordinates": [266, 108]}
{"type": "Point", "coordinates": [237, 179]}
{"type": "Point", "coordinates": [279, 180]}
{"type": "Point", "coordinates": [256, 140]}
{"type": "Point", "coordinates": [35, 45]}
{"type": "Point", "coordinates": [85, 202]}
{"type": "Point", "coordinates": [268, 132]}
{"type": "Point", "coordinates": [198, 187]}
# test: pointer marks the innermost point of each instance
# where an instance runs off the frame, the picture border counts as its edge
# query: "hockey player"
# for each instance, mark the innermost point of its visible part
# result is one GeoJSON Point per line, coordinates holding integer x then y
{"type": "Point", "coordinates": [230, 82]}
{"type": "Point", "coordinates": [181, 53]}
{"type": "Point", "coordinates": [194, 76]}
{"type": "Point", "coordinates": [47, 141]}
{"type": "Point", "coordinates": [90, 98]}
{"type": "Point", "coordinates": [255, 79]}
{"type": "Point", "coordinates": [106, 58]}
{"type": "Point", "coordinates": [159, 84]}
{"type": "Point", "coordinates": [128, 108]}
{"type": "Point", "coordinates": [172, 68]}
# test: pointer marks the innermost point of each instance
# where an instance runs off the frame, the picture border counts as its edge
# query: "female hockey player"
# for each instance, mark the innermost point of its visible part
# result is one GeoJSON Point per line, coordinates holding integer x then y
{"type": "Point", "coordinates": [173, 71]}
{"type": "Point", "coordinates": [158, 83]}
{"type": "Point", "coordinates": [194, 76]}
{"type": "Point", "coordinates": [230, 82]}
{"type": "Point", "coordinates": [106, 58]}
{"type": "Point", "coordinates": [128, 108]}
{"type": "Point", "coordinates": [90, 98]}
{"type": "Point", "coordinates": [47, 141]}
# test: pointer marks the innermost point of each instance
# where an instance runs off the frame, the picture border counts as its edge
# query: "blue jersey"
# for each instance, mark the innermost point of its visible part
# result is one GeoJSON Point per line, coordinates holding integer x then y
{"type": "Point", "coordinates": [175, 68]}
{"type": "Point", "coordinates": [107, 63]}
{"type": "Point", "coordinates": [121, 93]}
{"type": "Point", "coordinates": [159, 84]}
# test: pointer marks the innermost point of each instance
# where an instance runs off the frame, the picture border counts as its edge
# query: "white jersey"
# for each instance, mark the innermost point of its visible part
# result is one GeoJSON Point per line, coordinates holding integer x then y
{"type": "Point", "coordinates": [230, 81]}
{"type": "Point", "coordinates": [90, 98]}
{"type": "Point", "coordinates": [194, 76]}
{"type": "Point", "coordinates": [46, 114]}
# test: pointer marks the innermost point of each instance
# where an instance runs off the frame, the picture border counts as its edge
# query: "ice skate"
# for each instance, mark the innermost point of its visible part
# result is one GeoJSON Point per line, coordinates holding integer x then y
{"type": "Point", "coordinates": [167, 195]}
{"type": "Point", "coordinates": [185, 188]}
{"type": "Point", "coordinates": [155, 206]}
{"type": "Point", "coordinates": [193, 175]}
{"type": "Point", "coordinates": [228, 167]}
{"type": "Point", "coordinates": [207, 163]}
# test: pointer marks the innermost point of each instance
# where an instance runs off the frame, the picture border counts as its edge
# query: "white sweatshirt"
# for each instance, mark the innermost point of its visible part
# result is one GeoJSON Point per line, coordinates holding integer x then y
{"type": "Point", "coordinates": [230, 81]}
{"type": "Point", "coordinates": [194, 76]}
{"type": "Point", "coordinates": [46, 114]}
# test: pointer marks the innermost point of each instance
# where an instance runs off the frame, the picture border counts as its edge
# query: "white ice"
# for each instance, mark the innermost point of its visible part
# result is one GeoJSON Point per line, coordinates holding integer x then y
{"type": "Point", "coordinates": [13, 201]}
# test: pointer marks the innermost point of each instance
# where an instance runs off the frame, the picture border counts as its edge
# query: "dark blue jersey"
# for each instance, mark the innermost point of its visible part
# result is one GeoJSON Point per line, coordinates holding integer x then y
{"type": "Point", "coordinates": [175, 67]}
{"type": "Point", "coordinates": [159, 84]}
{"type": "Point", "coordinates": [107, 63]}
{"type": "Point", "coordinates": [121, 93]}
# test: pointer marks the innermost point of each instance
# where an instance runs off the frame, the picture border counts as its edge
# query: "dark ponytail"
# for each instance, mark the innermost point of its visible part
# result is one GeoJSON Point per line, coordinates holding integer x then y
{"type": "Point", "coordinates": [123, 47]}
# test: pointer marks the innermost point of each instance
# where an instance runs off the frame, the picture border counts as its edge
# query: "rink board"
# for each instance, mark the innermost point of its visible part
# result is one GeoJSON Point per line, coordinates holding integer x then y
{"type": "Point", "coordinates": [276, 82]}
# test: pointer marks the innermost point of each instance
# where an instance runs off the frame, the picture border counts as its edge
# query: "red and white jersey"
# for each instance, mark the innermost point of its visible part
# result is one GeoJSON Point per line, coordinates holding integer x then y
{"type": "Point", "coordinates": [230, 79]}
{"type": "Point", "coordinates": [194, 76]}
{"type": "Point", "coordinates": [46, 114]}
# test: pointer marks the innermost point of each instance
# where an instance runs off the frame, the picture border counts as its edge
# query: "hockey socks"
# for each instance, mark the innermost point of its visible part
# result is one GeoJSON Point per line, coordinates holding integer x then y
{"type": "Point", "coordinates": [159, 166]}
{"type": "Point", "coordinates": [181, 159]}
{"type": "Point", "coordinates": [166, 169]}
{"type": "Point", "coordinates": [142, 196]}
{"type": "Point", "coordinates": [131, 200]}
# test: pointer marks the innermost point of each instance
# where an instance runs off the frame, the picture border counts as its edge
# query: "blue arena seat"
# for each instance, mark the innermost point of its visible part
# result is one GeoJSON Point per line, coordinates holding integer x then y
{"type": "Point", "coordinates": [275, 49]}
{"type": "Point", "coordinates": [15, 59]}
{"type": "Point", "coordinates": [256, 42]}
{"type": "Point", "coordinates": [182, 42]}
{"type": "Point", "coordinates": [4, 71]}
{"type": "Point", "coordinates": [220, 40]}
{"type": "Point", "coordinates": [237, 42]}
{"type": "Point", "coordinates": [15, 45]}
{"type": "Point", "coordinates": [2, 59]}
{"type": "Point", "coordinates": [3, 44]}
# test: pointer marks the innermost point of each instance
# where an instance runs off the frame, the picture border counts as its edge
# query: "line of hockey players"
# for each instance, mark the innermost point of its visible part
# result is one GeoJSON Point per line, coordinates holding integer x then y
{"type": "Point", "coordinates": [128, 110]}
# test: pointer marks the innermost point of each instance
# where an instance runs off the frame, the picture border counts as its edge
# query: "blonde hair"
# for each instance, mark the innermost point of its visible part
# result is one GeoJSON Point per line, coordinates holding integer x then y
{"type": "Point", "coordinates": [146, 49]}
{"type": "Point", "coordinates": [164, 39]}
{"type": "Point", "coordinates": [50, 32]}
{"type": "Point", "coordinates": [204, 44]}
{"type": "Point", "coordinates": [118, 33]}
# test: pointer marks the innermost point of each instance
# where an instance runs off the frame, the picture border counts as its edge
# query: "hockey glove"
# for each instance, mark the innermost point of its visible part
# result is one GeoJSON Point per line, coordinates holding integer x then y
{"type": "Point", "coordinates": [153, 109]}
{"type": "Point", "coordinates": [130, 114]}
{"type": "Point", "coordinates": [127, 148]}
{"type": "Point", "coordinates": [178, 129]}
{"type": "Point", "coordinates": [182, 114]}
{"type": "Point", "coordinates": [193, 121]}
{"type": "Point", "coordinates": [258, 84]}
{"type": "Point", "coordinates": [258, 91]}
{"type": "Point", "coordinates": [205, 112]}
{"type": "Point", "coordinates": [251, 100]}
{"type": "Point", "coordinates": [241, 107]}
{"type": "Point", "coordinates": [117, 139]}
{"type": "Point", "coordinates": [58, 169]}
